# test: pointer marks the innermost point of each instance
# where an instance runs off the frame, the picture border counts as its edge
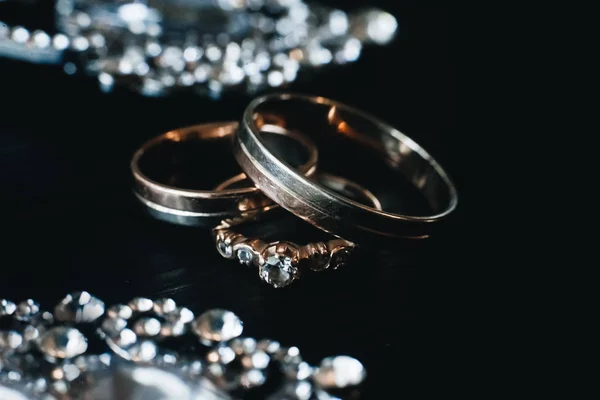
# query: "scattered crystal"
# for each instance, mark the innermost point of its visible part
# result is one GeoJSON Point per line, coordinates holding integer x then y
{"type": "Point", "coordinates": [79, 307]}
{"type": "Point", "coordinates": [217, 325]}
{"type": "Point", "coordinates": [62, 342]}
{"type": "Point", "coordinates": [339, 372]}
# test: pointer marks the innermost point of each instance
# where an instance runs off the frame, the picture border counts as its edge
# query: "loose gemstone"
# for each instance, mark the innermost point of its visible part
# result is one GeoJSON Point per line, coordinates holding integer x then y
{"type": "Point", "coordinates": [278, 271]}
{"type": "Point", "coordinates": [217, 325]}
{"type": "Point", "coordinates": [63, 342]}
{"type": "Point", "coordinates": [79, 307]}
{"type": "Point", "coordinates": [245, 256]}
{"type": "Point", "coordinates": [339, 372]}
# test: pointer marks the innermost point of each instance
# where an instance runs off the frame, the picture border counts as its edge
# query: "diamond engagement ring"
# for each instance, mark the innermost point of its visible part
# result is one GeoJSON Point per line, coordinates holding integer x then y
{"type": "Point", "coordinates": [281, 263]}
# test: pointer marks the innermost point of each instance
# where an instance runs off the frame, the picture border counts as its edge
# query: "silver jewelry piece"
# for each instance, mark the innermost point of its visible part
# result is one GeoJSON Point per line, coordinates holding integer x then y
{"type": "Point", "coordinates": [160, 47]}
{"type": "Point", "coordinates": [48, 357]}
{"type": "Point", "coordinates": [133, 330]}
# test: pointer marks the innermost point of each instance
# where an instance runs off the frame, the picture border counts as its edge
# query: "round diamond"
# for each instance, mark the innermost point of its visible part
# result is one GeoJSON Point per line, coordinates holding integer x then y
{"type": "Point", "coordinates": [340, 372]}
{"type": "Point", "coordinates": [278, 271]}
{"type": "Point", "coordinates": [63, 342]}
{"type": "Point", "coordinates": [245, 256]}
{"type": "Point", "coordinates": [79, 307]}
{"type": "Point", "coordinates": [217, 325]}
{"type": "Point", "coordinates": [225, 249]}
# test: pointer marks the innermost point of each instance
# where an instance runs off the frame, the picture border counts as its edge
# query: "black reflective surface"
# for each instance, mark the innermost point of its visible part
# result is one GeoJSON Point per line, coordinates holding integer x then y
{"type": "Point", "coordinates": [70, 221]}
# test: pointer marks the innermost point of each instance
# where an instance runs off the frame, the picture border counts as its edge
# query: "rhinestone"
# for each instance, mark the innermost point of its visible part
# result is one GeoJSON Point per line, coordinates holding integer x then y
{"type": "Point", "coordinates": [339, 372]}
{"type": "Point", "coordinates": [278, 271]}
{"type": "Point", "coordinates": [143, 351]}
{"type": "Point", "coordinates": [258, 359]}
{"type": "Point", "coordinates": [141, 304]}
{"type": "Point", "coordinates": [297, 370]}
{"type": "Point", "coordinates": [217, 325]}
{"type": "Point", "coordinates": [225, 249]}
{"type": "Point", "coordinates": [79, 307]}
{"type": "Point", "coordinates": [245, 256]}
{"type": "Point", "coordinates": [10, 340]}
{"type": "Point", "coordinates": [294, 390]}
{"type": "Point", "coordinates": [7, 307]}
{"type": "Point", "coordinates": [62, 342]}
{"type": "Point", "coordinates": [147, 327]}
{"type": "Point", "coordinates": [252, 378]}
{"type": "Point", "coordinates": [26, 309]}
{"type": "Point", "coordinates": [165, 306]}
{"type": "Point", "coordinates": [269, 346]}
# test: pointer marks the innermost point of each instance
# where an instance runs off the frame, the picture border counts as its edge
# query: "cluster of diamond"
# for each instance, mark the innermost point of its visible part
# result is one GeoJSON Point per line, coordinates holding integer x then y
{"type": "Point", "coordinates": [83, 346]}
{"type": "Point", "coordinates": [158, 47]}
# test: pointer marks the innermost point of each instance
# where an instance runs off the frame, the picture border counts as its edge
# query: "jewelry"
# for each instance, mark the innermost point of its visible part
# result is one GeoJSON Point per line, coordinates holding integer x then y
{"type": "Point", "coordinates": [280, 263]}
{"type": "Point", "coordinates": [160, 47]}
{"type": "Point", "coordinates": [57, 362]}
{"type": "Point", "coordinates": [318, 205]}
{"type": "Point", "coordinates": [209, 207]}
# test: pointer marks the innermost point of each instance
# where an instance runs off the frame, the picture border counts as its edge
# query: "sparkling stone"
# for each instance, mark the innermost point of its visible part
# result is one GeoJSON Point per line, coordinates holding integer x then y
{"type": "Point", "coordinates": [339, 372]}
{"type": "Point", "coordinates": [27, 309]}
{"type": "Point", "coordinates": [143, 351]}
{"type": "Point", "coordinates": [147, 326]}
{"type": "Point", "coordinates": [10, 340]}
{"type": "Point", "coordinates": [80, 307]}
{"type": "Point", "coordinates": [141, 304]}
{"type": "Point", "coordinates": [252, 378]}
{"type": "Point", "coordinates": [269, 346]}
{"type": "Point", "coordinates": [294, 390]}
{"type": "Point", "coordinates": [245, 256]}
{"type": "Point", "coordinates": [278, 271]}
{"type": "Point", "coordinates": [225, 249]}
{"type": "Point", "coordinates": [217, 325]}
{"type": "Point", "coordinates": [7, 307]}
{"type": "Point", "coordinates": [257, 359]}
{"type": "Point", "coordinates": [297, 370]}
{"type": "Point", "coordinates": [375, 26]}
{"type": "Point", "coordinates": [237, 363]}
{"type": "Point", "coordinates": [63, 342]}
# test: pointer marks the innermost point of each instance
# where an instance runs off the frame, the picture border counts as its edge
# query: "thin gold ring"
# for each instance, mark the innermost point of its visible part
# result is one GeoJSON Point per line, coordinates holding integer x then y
{"type": "Point", "coordinates": [208, 207]}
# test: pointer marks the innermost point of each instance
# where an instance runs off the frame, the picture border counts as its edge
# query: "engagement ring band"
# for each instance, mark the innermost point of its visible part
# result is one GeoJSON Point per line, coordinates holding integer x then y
{"type": "Point", "coordinates": [280, 263]}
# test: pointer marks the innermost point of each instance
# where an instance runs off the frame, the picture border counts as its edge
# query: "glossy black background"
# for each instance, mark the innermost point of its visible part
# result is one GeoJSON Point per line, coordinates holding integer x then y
{"type": "Point", "coordinates": [70, 221]}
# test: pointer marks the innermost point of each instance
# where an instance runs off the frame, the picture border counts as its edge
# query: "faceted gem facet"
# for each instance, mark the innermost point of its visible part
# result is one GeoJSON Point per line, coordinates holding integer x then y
{"type": "Point", "coordinates": [278, 271]}
{"type": "Point", "coordinates": [218, 325]}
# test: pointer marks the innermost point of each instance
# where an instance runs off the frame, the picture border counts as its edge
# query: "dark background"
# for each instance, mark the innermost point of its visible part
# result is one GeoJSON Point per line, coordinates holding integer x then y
{"type": "Point", "coordinates": [71, 222]}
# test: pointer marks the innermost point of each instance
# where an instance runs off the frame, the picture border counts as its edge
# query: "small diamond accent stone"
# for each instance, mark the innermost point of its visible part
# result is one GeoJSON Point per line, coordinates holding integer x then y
{"type": "Point", "coordinates": [245, 256]}
{"type": "Point", "coordinates": [278, 271]}
{"type": "Point", "coordinates": [217, 325]}
{"type": "Point", "coordinates": [225, 249]}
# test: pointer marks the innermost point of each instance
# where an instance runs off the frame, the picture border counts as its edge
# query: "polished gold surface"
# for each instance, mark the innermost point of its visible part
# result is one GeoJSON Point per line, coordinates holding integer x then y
{"type": "Point", "coordinates": [317, 204]}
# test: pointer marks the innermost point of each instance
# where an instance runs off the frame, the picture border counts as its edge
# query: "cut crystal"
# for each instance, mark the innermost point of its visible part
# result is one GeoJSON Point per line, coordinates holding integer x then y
{"type": "Point", "coordinates": [218, 325]}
